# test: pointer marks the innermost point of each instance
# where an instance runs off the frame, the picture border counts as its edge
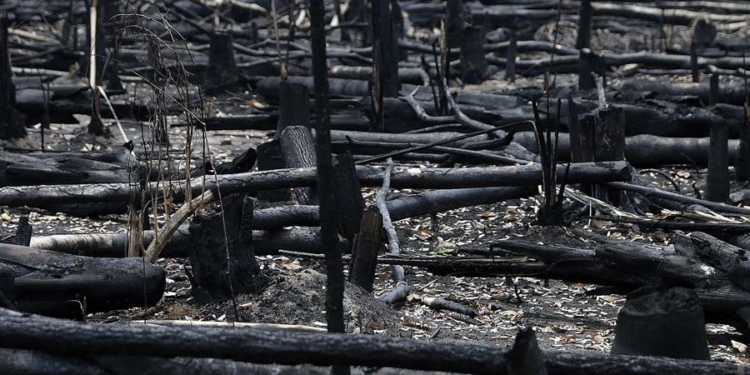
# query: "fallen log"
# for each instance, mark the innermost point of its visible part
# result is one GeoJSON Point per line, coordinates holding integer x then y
{"type": "Point", "coordinates": [19, 169]}
{"type": "Point", "coordinates": [58, 284]}
{"type": "Point", "coordinates": [715, 279]}
{"type": "Point", "coordinates": [444, 178]}
{"type": "Point", "coordinates": [640, 150]}
{"type": "Point", "coordinates": [275, 218]}
{"type": "Point", "coordinates": [291, 348]}
{"type": "Point", "coordinates": [115, 245]}
{"type": "Point", "coordinates": [729, 92]}
{"type": "Point", "coordinates": [662, 194]}
{"type": "Point", "coordinates": [19, 361]}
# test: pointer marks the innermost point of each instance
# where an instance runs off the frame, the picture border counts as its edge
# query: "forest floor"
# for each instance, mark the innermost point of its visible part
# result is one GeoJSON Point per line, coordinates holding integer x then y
{"type": "Point", "coordinates": [564, 316]}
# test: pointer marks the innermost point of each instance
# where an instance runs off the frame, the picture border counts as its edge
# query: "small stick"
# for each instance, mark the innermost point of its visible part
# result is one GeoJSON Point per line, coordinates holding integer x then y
{"type": "Point", "coordinates": [173, 223]}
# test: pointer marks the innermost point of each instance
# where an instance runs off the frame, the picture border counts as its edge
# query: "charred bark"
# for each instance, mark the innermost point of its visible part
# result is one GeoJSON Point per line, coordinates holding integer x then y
{"type": "Point", "coordinates": [221, 252]}
{"type": "Point", "coordinates": [298, 151]}
{"type": "Point", "coordinates": [367, 245]}
{"type": "Point", "coordinates": [57, 284]}
{"type": "Point", "coordinates": [58, 336]}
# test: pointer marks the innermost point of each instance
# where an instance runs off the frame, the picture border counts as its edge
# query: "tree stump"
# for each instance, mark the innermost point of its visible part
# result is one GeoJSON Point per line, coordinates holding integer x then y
{"type": "Point", "coordinates": [294, 106]}
{"type": "Point", "coordinates": [717, 179]}
{"type": "Point", "coordinates": [665, 323]}
{"type": "Point", "coordinates": [473, 61]}
{"type": "Point", "coordinates": [222, 250]}
{"type": "Point", "coordinates": [298, 151]}
{"type": "Point", "coordinates": [221, 71]}
{"type": "Point", "coordinates": [348, 196]}
{"type": "Point", "coordinates": [269, 158]}
{"type": "Point", "coordinates": [367, 244]}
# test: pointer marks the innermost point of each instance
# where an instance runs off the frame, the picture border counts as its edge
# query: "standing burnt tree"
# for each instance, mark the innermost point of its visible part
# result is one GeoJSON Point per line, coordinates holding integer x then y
{"type": "Point", "coordinates": [334, 264]}
{"type": "Point", "coordinates": [11, 121]}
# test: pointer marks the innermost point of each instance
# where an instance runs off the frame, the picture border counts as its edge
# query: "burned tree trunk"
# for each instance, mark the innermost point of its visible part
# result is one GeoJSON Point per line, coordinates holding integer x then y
{"type": "Point", "coordinates": [334, 265]}
{"type": "Point", "coordinates": [294, 106]}
{"type": "Point", "coordinates": [348, 196]}
{"type": "Point", "coordinates": [587, 68]}
{"type": "Point", "coordinates": [298, 150]}
{"type": "Point", "coordinates": [510, 56]}
{"type": "Point", "coordinates": [717, 180]}
{"type": "Point", "coordinates": [473, 63]}
{"type": "Point", "coordinates": [667, 323]}
{"type": "Point", "coordinates": [221, 253]}
{"type": "Point", "coordinates": [221, 71]}
{"type": "Point", "coordinates": [12, 123]}
{"type": "Point", "coordinates": [367, 245]}
{"type": "Point", "coordinates": [324, 349]}
{"type": "Point", "coordinates": [584, 25]}
{"type": "Point", "coordinates": [270, 157]}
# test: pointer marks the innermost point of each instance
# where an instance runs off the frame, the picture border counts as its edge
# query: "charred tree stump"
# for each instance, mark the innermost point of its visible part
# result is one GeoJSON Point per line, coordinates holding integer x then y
{"type": "Point", "coordinates": [473, 62]}
{"type": "Point", "coordinates": [221, 251]}
{"type": "Point", "coordinates": [584, 25]}
{"type": "Point", "coordinates": [270, 158]}
{"type": "Point", "coordinates": [525, 358]}
{"type": "Point", "coordinates": [510, 56]}
{"type": "Point", "coordinates": [717, 180]}
{"type": "Point", "coordinates": [367, 244]}
{"type": "Point", "coordinates": [694, 68]}
{"type": "Point", "coordinates": [713, 94]}
{"type": "Point", "coordinates": [294, 106]}
{"type": "Point", "coordinates": [12, 123]}
{"type": "Point", "coordinates": [742, 159]}
{"type": "Point", "coordinates": [298, 150]}
{"type": "Point", "coordinates": [587, 66]}
{"type": "Point", "coordinates": [23, 232]}
{"type": "Point", "coordinates": [610, 135]}
{"type": "Point", "coordinates": [582, 135]}
{"type": "Point", "coordinates": [221, 71]}
{"type": "Point", "coordinates": [348, 196]}
{"type": "Point", "coordinates": [609, 141]}
{"type": "Point", "coordinates": [662, 323]}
